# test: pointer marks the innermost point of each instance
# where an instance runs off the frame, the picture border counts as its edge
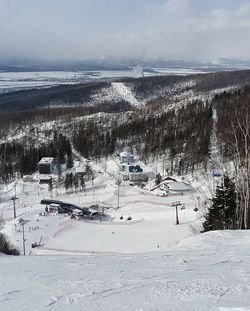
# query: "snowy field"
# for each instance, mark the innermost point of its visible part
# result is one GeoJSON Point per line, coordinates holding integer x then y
{"type": "Point", "coordinates": [14, 81]}
{"type": "Point", "coordinates": [152, 228]}
{"type": "Point", "coordinates": [146, 263]}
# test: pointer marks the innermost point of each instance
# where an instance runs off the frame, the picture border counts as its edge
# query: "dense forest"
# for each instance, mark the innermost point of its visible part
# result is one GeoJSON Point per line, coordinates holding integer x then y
{"type": "Point", "coordinates": [231, 204]}
{"type": "Point", "coordinates": [182, 135]}
{"type": "Point", "coordinates": [18, 160]}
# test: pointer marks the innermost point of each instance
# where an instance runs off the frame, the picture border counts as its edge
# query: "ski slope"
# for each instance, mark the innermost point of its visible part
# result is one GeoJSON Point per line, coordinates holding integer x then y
{"type": "Point", "coordinates": [125, 93]}
{"type": "Point", "coordinates": [147, 263]}
{"type": "Point", "coordinates": [205, 272]}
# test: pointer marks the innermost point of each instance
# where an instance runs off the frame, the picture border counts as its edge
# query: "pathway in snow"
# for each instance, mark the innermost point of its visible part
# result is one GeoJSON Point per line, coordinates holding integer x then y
{"type": "Point", "coordinates": [125, 93]}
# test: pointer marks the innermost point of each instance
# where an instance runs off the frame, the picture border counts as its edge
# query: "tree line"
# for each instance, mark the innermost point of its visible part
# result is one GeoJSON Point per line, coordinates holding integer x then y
{"type": "Point", "coordinates": [17, 160]}
{"type": "Point", "coordinates": [183, 135]}
{"type": "Point", "coordinates": [231, 205]}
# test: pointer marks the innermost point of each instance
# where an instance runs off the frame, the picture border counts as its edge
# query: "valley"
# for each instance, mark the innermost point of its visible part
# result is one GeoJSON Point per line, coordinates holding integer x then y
{"type": "Point", "coordinates": [142, 235]}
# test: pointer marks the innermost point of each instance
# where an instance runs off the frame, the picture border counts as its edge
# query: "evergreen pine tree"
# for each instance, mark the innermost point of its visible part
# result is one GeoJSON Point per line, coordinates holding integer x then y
{"type": "Point", "coordinates": [82, 182]}
{"type": "Point", "coordinates": [69, 161]}
{"type": "Point", "coordinates": [75, 182]}
{"type": "Point", "coordinates": [158, 179]}
{"type": "Point", "coordinates": [66, 182]}
{"type": "Point", "coordinates": [69, 154]}
{"type": "Point", "coordinates": [70, 179]}
{"type": "Point", "coordinates": [222, 213]}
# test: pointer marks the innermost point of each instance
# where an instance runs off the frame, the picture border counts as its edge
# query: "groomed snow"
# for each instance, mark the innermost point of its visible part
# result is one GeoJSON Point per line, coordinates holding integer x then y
{"type": "Point", "coordinates": [206, 272]}
{"type": "Point", "coordinates": [147, 263]}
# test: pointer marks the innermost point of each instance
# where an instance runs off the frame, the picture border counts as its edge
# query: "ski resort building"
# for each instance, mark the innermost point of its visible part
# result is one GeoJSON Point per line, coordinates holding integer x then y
{"type": "Point", "coordinates": [135, 169]}
{"type": "Point", "coordinates": [45, 179]}
{"type": "Point", "coordinates": [137, 178]}
{"type": "Point", "coordinates": [45, 165]}
{"type": "Point", "coordinates": [126, 157]}
{"type": "Point", "coordinates": [176, 186]}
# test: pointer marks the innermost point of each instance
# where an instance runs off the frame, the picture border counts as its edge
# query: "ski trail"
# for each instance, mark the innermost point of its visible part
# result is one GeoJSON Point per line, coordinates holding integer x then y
{"type": "Point", "coordinates": [125, 93]}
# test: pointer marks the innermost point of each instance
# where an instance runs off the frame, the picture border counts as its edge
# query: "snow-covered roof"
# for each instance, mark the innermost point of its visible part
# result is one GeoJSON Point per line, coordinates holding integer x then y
{"type": "Point", "coordinates": [80, 169]}
{"type": "Point", "coordinates": [179, 186]}
{"type": "Point", "coordinates": [126, 154]}
{"type": "Point", "coordinates": [77, 211]}
{"type": "Point", "coordinates": [45, 177]}
{"type": "Point", "coordinates": [46, 160]}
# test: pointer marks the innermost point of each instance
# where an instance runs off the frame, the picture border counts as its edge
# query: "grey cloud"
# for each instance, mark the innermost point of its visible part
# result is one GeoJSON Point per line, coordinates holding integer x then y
{"type": "Point", "coordinates": [172, 29]}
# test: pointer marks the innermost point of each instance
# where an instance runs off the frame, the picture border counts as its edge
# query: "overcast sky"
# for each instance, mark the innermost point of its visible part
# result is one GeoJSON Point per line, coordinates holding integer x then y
{"type": "Point", "coordinates": [85, 29]}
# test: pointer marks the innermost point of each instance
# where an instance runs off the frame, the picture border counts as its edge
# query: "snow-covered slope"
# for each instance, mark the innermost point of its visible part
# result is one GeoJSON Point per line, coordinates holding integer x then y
{"type": "Point", "coordinates": [208, 272]}
{"type": "Point", "coordinates": [125, 93]}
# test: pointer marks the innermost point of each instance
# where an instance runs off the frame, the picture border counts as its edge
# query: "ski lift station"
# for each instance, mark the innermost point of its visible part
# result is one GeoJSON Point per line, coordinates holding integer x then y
{"type": "Point", "coordinates": [63, 207]}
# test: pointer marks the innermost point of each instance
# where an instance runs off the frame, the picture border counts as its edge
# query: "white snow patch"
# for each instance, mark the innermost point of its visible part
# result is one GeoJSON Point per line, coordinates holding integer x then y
{"type": "Point", "coordinates": [125, 93]}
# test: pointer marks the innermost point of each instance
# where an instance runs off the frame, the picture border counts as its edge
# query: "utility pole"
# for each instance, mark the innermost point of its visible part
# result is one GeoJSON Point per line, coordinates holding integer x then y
{"type": "Point", "coordinates": [23, 223]}
{"type": "Point", "coordinates": [118, 193]}
{"type": "Point", "coordinates": [101, 211]}
{"type": "Point", "coordinates": [176, 204]}
{"type": "Point", "coordinates": [23, 241]}
{"type": "Point", "coordinates": [14, 198]}
{"type": "Point", "coordinates": [15, 187]}
{"type": "Point", "coordinates": [118, 183]}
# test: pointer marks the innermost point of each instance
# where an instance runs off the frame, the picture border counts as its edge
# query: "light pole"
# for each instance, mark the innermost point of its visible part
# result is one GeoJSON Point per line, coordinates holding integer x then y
{"type": "Point", "coordinates": [14, 198]}
{"type": "Point", "coordinates": [176, 204]}
{"type": "Point", "coordinates": [101, 211]}
{"type": "Point", "coordinates": [118, 193]}
{"type": "Point", "coordinates": [15, 187]}
{"type": "Point", "coordinates": [118, 183]}
{"type": "Point", "coordinates": [23, 223]}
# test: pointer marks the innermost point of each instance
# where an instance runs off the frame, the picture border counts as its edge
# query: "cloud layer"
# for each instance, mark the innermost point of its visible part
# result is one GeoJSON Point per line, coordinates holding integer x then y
{"type": "Point", "coordinates": [81, 29]}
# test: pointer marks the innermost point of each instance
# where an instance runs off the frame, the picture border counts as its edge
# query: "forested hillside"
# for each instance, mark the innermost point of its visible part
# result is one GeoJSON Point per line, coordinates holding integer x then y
{"type": "Point", "coordinates": [182, 134]}
{"type": "Point", "coordinates": [184, 131]}
{"type": "Point", "coordinates": [103, 93]}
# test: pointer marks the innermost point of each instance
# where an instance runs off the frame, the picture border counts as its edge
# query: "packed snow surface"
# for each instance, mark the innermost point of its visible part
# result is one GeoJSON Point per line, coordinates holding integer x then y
{"type": "Point", "coordinates": [113, 263]}
{"type": "Point", "coordinates": [206, 272]}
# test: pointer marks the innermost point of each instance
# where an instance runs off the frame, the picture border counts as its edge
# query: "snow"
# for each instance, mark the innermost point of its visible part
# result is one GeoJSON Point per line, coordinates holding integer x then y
{"type": "Point", "coordinates": [10, 81]}
{"type": "Point", "coordinates": [153, 217]}
{"type": "Point", "coordinates": [125, 93]}
{"type": "Point", "coordinates": [146, 263]}
{"type": "Point", "coordinates": [206, 272]}
{"type": "Point", "coordinates": [46, 160]}
{"type": "Point", "coordinates": [178, 186]}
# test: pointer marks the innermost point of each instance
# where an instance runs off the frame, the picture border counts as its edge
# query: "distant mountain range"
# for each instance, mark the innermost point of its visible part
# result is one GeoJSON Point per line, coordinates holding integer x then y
{"type": "Point", "coordinates": [110, 63]}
